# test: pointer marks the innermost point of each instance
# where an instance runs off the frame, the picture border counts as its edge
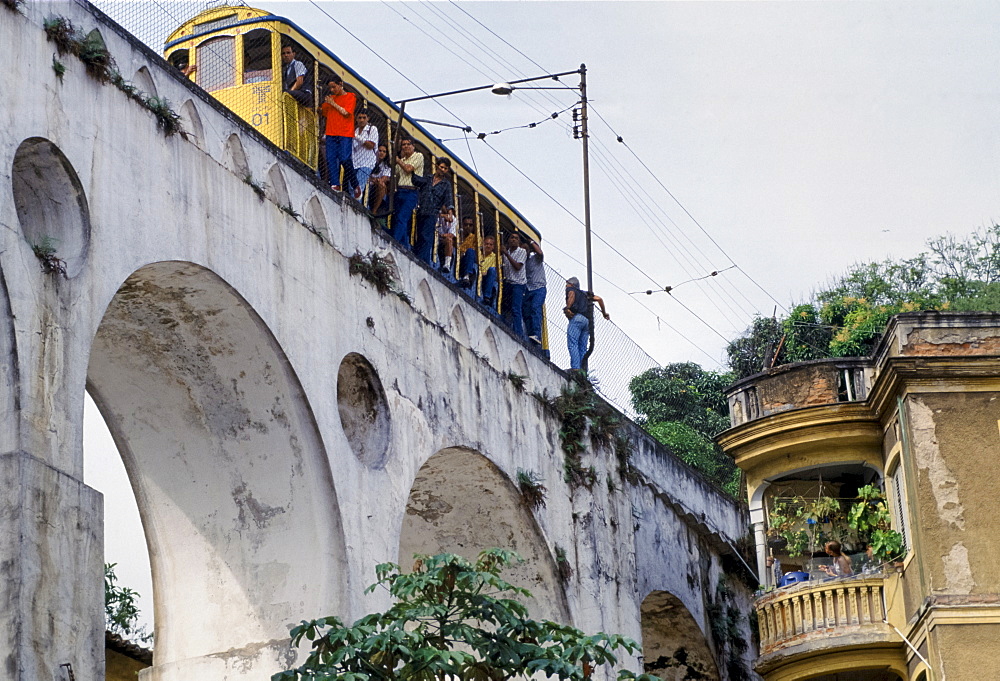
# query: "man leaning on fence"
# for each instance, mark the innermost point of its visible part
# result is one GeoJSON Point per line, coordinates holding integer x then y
{"type": "Point", "coordinates": [576, 311]}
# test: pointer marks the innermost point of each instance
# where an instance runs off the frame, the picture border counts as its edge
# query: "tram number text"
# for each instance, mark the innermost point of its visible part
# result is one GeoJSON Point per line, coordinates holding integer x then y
{"type": "Point", "coordinates": [259, 119]}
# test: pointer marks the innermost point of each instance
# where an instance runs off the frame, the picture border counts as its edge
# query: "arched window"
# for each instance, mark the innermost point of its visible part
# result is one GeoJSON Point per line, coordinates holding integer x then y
{"type": "Point", "coordinates": [216, 61]}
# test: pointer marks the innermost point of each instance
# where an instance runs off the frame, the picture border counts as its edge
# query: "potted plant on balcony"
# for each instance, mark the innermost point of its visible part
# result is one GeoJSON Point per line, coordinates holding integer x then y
{"type": "Point", "coordinates": [869, 517]}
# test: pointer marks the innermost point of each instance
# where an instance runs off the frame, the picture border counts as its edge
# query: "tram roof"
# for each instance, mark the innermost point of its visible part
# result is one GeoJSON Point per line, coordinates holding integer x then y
{"type": "Point", "coordinates": [276, 18]}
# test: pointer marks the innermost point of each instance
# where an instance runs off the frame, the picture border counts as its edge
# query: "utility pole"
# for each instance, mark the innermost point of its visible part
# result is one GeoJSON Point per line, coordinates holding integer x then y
{"type": "Point", "coordinates": [584, 132]}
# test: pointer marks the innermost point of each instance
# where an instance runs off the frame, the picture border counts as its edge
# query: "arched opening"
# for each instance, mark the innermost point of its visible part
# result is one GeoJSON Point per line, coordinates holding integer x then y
{"type": "Point", "coordinates": [461, 503]}
{"type": "Point", "coordinates": [879, 674]}
{"type": "Point", "coordinates": [234, 158]}
{"type": "Point", "coordinates": [230, 477]}
{"type": "Point", "coordinates": [192, 125]}
{"type": "Point", "coordinates": [425, 300]}
{"type": "Point", "coordinates": [144, 81]}
{"type": "Point", "coordinates": [276, 189]}
{"type": "Point", "coordinates": [489, 348]}
{"type": "Point", "coordinates": [50, 203]}
{"type": "Point", "coordinates": [673, 646]}
{"type": "Point", "coordinates": [458, 327]}
{"type": "Point", "coordinates": [315, 217]}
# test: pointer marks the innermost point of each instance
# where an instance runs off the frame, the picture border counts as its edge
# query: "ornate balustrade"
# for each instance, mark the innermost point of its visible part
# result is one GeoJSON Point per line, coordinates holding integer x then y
{"type": "Point", "coordinates": [821, 609]}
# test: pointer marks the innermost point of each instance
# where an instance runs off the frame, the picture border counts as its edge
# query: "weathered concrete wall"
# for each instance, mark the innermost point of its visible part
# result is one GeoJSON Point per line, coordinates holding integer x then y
{"type": "Point", "coordinates": [283, 425]}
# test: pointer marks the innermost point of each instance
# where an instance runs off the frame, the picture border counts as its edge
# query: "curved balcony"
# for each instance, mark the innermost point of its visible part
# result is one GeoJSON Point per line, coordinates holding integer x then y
{"type": "Point", "coordinates": [804, 619]}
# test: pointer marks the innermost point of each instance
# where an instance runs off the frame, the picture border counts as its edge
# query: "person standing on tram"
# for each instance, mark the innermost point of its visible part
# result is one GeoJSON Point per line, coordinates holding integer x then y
{"type": "Point", "coordinates": [409, 164]}
{"type": "Point", "coordinates": [293, 79]}
{"type": "Point", "coordinates": [338, 109]}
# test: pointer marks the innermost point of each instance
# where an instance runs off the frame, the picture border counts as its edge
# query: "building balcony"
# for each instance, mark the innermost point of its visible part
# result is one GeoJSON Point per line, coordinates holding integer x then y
{"type": "Point", "coordinates": [798, 385]}
{"type": "Point", "coordinates": [828, 617]}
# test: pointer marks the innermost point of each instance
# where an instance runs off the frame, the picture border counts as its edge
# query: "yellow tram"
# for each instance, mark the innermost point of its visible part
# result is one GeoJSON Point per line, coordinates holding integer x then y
{"type": "Point", "coordinates": [234, 52]}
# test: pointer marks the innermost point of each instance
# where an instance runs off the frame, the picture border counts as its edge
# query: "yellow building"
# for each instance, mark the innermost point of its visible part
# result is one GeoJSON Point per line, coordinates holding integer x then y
{"type": "Point", "coordinates": [920, 419]}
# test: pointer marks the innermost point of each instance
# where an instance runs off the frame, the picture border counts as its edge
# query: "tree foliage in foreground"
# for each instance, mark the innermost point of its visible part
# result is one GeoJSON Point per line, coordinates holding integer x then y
{"type": "Point", "coordinates": [849, 316]}
{"type": "Point", "coordinates": [684, 406]}
{"type": "Point", "coordinates": [452, 620]}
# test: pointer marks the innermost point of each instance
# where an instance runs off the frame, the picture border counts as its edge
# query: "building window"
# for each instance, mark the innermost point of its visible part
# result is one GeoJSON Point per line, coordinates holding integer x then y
{"type": "Point", "coordinates": [897, 502]}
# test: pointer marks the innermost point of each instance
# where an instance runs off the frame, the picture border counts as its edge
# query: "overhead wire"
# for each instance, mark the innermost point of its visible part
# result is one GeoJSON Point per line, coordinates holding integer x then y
{"type": "Point", "coordinates": [695, 263]}
{"type": "Point", "coordinates": [599, 237]}
{"type": "Point", "coordinates": [729, 300]}
{"type": "Point", "coordinates": [616, 183]}
{"type": "Point", "coordinates": [687, 212]}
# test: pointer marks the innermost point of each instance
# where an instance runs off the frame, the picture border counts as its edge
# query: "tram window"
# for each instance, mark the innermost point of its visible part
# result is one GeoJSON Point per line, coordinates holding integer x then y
{"type": "Point", "coordinates": [257, 56]}
{"type": "Point", "coordinates": [487, 215]}
{"type": "Point", "coordinates": [179, 59]}
{"type": "Point", "coordinates": [217, 63]}
{"type": "Point", "coordinates": [215, 23]}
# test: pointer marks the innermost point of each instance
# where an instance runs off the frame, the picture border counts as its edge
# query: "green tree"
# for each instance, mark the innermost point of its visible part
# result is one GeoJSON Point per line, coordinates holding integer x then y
{"type": "Point", "coordinates": [753, 352]}
{"type": "Point", "coordinates": [684, 406]}
{"type": "Point", "coordinates": [682, 392]}
{"type": "Point", "coordinates": [452, 620]}
{"type": "Point", "coordinates": [121, 610]}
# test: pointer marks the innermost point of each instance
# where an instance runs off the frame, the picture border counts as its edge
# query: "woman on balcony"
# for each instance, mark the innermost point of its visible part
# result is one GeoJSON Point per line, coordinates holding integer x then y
{"type": "Point", "coordinates": [841, 564]}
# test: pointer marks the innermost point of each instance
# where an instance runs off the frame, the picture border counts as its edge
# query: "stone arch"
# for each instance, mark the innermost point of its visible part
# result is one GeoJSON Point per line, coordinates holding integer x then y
{"type": "Point", "coordinates": [673, 645]}
{"type": "Point", "coordinates": [231, 478]}
{"type": "Point", "coordinates": [460, 502]}
{"type": "Point", "coordinates": [520, 365]}
{"type": "Point", "coordinates": [234, 157]}
{"type": "Point", "coordinates": [488, 347]}
{"type": "Point", "coordinates": [315, 216]}
{"type": "Point", "coordinates": [143, 80]}
{"type": "Point", "coordinates": [425, 300]}
{"type": "Point", "coordinates": [275, 187]}
{"type": "Point", "coordinates": [50, 202]}
{"type": "Point", "coordinates": [192, 125]}
{"type": "Point", "coordinates": [457, 326]}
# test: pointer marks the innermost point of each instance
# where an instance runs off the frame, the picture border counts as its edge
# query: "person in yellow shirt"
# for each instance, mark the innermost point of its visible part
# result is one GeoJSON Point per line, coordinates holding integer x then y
{"type": "Point", "coordinates": [490, 280]}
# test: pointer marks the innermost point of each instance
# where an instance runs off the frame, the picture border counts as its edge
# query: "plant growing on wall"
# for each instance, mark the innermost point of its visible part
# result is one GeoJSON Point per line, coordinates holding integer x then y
{"type": "Point", "coordinates": [452, 619]}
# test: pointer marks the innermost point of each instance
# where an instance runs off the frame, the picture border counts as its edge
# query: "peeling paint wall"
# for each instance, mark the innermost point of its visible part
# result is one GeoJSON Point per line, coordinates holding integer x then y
{"type": "Point", "coordinates": [956, 443]}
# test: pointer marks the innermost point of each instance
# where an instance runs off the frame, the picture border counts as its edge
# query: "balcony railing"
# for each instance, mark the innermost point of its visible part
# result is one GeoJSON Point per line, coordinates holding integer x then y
{"type": "Point", "coordinates": [814, 610]}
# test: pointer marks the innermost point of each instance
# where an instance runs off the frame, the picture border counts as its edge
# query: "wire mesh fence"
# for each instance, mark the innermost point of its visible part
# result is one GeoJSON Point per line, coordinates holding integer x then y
{"type": "Point", "coordinates": [239, 55]}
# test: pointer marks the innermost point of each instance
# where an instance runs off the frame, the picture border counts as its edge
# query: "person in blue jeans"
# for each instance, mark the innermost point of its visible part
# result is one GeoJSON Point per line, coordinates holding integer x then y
{"type": "Point", "coordinates": [515, 281]}
{"type": "Point", "coordinates": [534, 297]}
{"type": "Point", "coordinates": [409, 164]}
{"type": "Point", "coordinates": [578, 331]}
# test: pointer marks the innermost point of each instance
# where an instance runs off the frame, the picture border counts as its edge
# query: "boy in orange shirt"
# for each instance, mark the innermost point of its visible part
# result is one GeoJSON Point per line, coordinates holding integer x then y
{"type": "Point", "coordinates": [338, 109]}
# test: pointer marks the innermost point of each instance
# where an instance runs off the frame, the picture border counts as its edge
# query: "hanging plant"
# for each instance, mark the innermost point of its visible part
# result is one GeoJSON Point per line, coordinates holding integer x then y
{"type": "Point", "coordinates": [869, 516]}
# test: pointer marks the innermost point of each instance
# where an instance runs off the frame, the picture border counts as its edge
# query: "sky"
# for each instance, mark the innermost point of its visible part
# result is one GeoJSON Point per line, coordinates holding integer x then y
{"type": "Point", "coordinates": [776, 143]}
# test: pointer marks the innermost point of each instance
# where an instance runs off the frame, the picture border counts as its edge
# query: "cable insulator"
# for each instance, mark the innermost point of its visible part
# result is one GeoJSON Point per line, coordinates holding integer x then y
{"type": "Point", "coordinates": [555, 114]}
{"type": "Point", "coordinates": [620, 139]}
{"type": "Point", "coordinates": [532, 125]}
{"type": "Point", "coordinates": [576, 115]}
{"type": "Point", "coordinates": [668, 289]}
{"type": "Point", "coordinates": [467, 128]}
{"type": "Point", "coordinates": [649, 293]}
{"type": "Point", "coordinates": [481, 136]}
{"type": "Point", "coordinates": [715, 274]}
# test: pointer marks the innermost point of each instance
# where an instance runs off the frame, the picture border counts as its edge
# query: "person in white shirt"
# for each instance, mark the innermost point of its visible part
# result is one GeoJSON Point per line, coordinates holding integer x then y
{"type": "Point", "coordinates": [364, 154]}
{"type": "Point", "coordinates": [515, 280]}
